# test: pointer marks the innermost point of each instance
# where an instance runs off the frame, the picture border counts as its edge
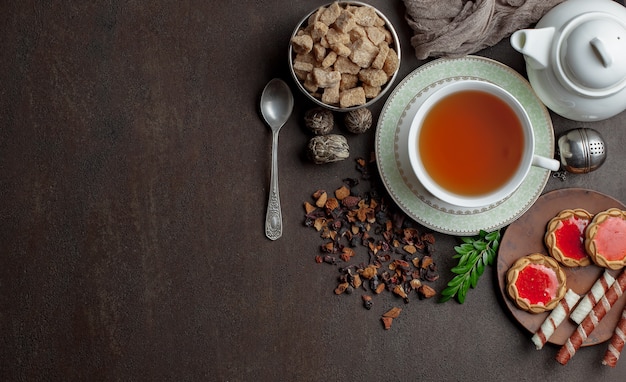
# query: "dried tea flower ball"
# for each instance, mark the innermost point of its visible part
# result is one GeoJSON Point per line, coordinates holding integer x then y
{"type": "Point", "coordinates": [319, 120]}
{"type": "Point", "coordinates": [328, 148]}
{"type": "Point", "coordinates": [359, 120]}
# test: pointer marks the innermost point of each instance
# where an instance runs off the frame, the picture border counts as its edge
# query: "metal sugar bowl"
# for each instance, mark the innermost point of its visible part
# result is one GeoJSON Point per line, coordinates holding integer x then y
{"type": "Point", "coordinates": [581, 150]}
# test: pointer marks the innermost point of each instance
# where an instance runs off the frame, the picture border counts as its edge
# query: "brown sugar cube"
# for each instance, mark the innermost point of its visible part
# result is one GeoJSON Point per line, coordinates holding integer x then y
{"type": "Point", "coordinates": [323, 42]}
{"type": "Point", "coordinates": [315, 17]}
{"type": "Point", "coordinates": [366, 16]}
{"type": "Point", "coordinates": [391, 62]}
{"type": "Point", "coordinates": [341, 49]}
{"type": "Point", "coordinates": [302, 43]}
{"type": "Point", "coordinates": [371, 91]}
{"type": "Point", "coordinates": [348, 81]}
{"type": "Point", "coordinates": [318, 31]}
{"type": "Point", "coordinates": [375, 34]}
{"type": "Point", "coordinates": [373, 77]}
{"type": "Point", "coordinates": [325, 79]}
{"type": "Point", "coordinates": [302, 66]}
{"type": "Point", "coordinates": [363, 52]}
{"type": "Point", "coordinates": [345, 22]}
{"type": "Point", "coordinates": [381, 57]}
{"type": "Point", "coordinates": [303, 63]}
{"type": "Point", "coordinates": [357, 32]}
{"type": "Point", "coordinates": [330, 14]}
{"type": "Point", "coordinates": [331, 95]}
{"type": "Point", "coordinates": [345, 65]}
{"type": "Point", "coordinates": [333, 37]}
{"type": "Point", "coordinates": [388, 36]}
{"type": "Point", "coordinates": [329, 60]}
{"type": "Point", "coordinates": [352, 97]}
{"type": "Point", "coordinates": [305, 58]}
{"type": "Point", "coordinates": [319, 52]}
{"type": "Point", "coordinates": [309, 83]}
{"type": "Point", "coordinates": [301, 74]}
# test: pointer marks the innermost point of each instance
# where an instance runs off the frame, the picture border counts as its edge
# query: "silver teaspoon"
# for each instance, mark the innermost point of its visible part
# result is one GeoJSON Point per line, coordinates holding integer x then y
{"type": "Point", "coordinates": [276, 107]}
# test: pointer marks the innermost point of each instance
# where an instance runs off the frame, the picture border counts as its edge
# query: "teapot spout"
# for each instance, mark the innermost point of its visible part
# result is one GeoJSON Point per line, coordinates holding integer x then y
{"type": "Point", "coordinates": [535, 45]}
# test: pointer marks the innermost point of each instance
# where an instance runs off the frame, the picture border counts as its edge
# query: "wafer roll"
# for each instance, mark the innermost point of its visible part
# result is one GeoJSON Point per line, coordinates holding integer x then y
{"type": "Point", "coordinates": [554, 319]}
{"type": "Point", "coordinates": [592, 320]}
{"type": "Point", "coordinates": [599, 288]}
{"type": "Point", "coordinates": [617, 342]}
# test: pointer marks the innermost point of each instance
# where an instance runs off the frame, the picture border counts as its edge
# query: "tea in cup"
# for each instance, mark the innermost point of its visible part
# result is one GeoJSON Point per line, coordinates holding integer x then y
{"type": "Point", "coordinates": [471, 144]}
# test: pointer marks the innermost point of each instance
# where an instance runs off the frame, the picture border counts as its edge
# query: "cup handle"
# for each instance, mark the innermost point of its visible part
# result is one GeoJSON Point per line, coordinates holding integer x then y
{"type": "Point", "coordinates": [547, 163]}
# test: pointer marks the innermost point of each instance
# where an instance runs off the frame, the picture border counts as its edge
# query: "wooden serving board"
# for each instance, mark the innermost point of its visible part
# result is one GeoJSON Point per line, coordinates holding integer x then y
{"type": "Point", "coordinates": [525, 236]}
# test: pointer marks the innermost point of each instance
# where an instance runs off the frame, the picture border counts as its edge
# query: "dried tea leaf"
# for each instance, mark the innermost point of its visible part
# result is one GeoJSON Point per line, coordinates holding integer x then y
{"type": "Point", "coordinates": [387, 321]}
{"type": "Point", "coordinates": [329, 247]}
{"type": "Point", "coordinates": [321, 200]}
{"type": "Point", "coordinates": [399, 264]}
{"type": "Point", "coordinates": [380, 288]}
{"type": "Point", "coordinates": [410, 249]}
{"type": "Point", "coordinates": [320, 223]}
{"type": "Point", "coordinates": [368, 272]}
{"type": "Point", "coordinates": [428, 238]}
{"type": "Point", "coordinates": [342, 193]}
{"type": "Point", "coordinates": [370, 217]}
{"type": "Point", "coordinates": [327, 233]}
{"type": "Point", "coordinates": [349, 252]}
{"type": "Point", "coordinates": [331, 204]}
{"type": "Point", "coordinates": [308, 207]}
{"type": "Point", "coordinates": [426, 261]}
{"type": "Point", "coordinates": [416, 262]}
{"type": "Point", "coordinates": [341, 288]}
{"type": "Point", "coordinates": [316, 195]}
{"type": "Point", "coordinates": [399, 291]}
{"type": "Point", "coordinates": [373, 247]}
{"type": "Point", "coordinates": [426, 292]}
{"type": "Point", "coordinates": [393, 312]}
{"type": "Point", "coordinates": [415, 283]}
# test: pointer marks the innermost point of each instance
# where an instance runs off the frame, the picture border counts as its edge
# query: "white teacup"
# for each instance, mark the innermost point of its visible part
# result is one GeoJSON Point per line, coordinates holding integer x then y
{"type": "Point", "coordinates": [471, 144]}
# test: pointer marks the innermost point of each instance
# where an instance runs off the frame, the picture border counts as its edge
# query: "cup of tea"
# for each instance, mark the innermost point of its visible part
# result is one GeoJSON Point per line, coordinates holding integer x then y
{"type": "Point", "coordinates": [471, 144]}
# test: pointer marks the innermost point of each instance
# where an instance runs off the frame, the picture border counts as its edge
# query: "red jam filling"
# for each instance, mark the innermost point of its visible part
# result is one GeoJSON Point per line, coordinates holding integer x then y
{"type": "Point", "coordinates": [537, 284]}
{"type": "Point", "coordinates": [610, 239]}
{"type": "Point", "coordinates": [570, 238]}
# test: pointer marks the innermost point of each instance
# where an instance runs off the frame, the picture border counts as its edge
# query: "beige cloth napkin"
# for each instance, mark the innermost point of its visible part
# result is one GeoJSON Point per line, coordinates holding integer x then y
{"type": "Point", "coordinates": [452, 28]}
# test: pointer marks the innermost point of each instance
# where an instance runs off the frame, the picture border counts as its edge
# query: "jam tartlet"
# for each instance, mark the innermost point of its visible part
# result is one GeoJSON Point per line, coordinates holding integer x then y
{"type": "Point", "coordinates": [536, 283]}
{"type": "Point", "coordinates": [565, 237]}
{"type": "Point", "coordinates": [605, 239]}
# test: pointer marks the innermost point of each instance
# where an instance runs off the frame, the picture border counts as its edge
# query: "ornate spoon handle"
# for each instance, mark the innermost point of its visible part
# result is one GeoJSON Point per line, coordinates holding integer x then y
{"type": "Point", "coordinates": [274, 218]}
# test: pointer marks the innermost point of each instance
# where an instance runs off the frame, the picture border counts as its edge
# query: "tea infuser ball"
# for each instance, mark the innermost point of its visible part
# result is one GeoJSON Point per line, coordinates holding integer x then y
{"type": "Point", "coordinates": [581, 150]}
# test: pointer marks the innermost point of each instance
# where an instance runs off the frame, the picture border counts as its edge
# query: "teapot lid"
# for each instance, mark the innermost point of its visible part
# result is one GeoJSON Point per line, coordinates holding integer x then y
{"type": "Point", "coordinates": [592, 54]}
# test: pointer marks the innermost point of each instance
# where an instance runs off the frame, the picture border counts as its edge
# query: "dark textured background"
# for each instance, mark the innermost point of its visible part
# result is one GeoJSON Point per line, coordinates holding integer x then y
{"type": "Point", "coordinates": [134, 171]}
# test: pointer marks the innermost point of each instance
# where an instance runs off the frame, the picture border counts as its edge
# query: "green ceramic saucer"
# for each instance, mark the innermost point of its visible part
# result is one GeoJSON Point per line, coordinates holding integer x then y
{"type": "Point", "coordinates": [392, 149]}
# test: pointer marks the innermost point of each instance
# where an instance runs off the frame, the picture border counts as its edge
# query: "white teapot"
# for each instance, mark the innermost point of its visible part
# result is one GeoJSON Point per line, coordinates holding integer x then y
{"type": "Point", "coordinates": [576, 58]}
